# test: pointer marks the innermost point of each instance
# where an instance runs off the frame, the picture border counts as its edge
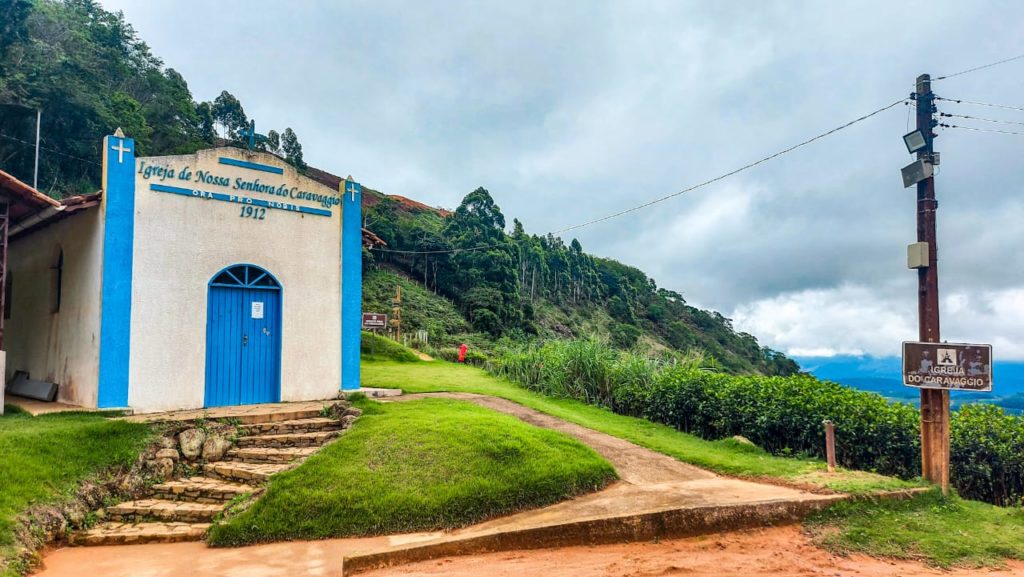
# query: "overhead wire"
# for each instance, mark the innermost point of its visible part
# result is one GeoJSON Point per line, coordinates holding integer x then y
{"type": "Point", "coordinates": [982, 67]}
{"type": "Point", "coordinates": [976, 129]}
{"type": "Point", "coordinates": [32, 144]}
{"type": "Point", "coordinates": [966, 117]}
{"type": "Point", "coordinates": [675, 194]}
{"type": "Point", "coordinates": [962, 101]}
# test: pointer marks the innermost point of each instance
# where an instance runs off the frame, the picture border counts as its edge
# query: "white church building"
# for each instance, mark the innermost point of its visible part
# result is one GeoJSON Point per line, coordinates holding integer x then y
{"type": "Point", "coordinates": [218, 278]}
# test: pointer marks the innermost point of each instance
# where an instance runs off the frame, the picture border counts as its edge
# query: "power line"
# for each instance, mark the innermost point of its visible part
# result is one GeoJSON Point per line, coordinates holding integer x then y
{"type": "Point", "coordinates": [32, 144]}
{"type": "Point", "coordinates": [982, 67]}
{"type": "Point", "coordinates": [675, 194]}
{"type": "Point", "coordinates": [738, 170]}
{"type": "Point", "coordinates": [981, 129]}
{"type": "Point", "coordinates": [960, 101]}
{"type": "Point", "coordinates": [964, 116]}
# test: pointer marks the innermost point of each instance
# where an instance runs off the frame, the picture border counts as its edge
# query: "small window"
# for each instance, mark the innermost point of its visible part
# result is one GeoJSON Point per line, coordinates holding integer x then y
{"type": "Point", "coordinates": [56, 282]}
{"type": "Point", "coordinates": [8, 294]}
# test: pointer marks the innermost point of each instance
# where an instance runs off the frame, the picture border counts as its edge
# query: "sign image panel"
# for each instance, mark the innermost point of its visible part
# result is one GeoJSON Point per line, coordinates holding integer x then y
{"type": "Point", "coordinates": [374, 321]}
{"type": "Point", "coordinates": [954, 366]}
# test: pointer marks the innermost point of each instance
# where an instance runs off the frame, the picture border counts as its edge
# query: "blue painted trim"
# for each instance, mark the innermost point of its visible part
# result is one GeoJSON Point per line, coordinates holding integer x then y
{"type": "Point", "coordinates": [251, 165]}
{"type": "Point", "coordinates": [241, 284]}
{"type": "Point", "coordinates": [116, 286]}
{"type": "Point", "coordinates": [239, 199]}
{"type": "Point", "coordinates": [351, 282]}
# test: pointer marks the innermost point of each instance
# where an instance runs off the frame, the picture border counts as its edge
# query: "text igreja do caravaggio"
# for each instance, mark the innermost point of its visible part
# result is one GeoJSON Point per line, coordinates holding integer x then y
{"type": "Point", "coordinates": [163, 173]}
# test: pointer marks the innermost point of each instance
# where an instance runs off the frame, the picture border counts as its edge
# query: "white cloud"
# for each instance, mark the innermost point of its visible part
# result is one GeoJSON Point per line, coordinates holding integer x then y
{"type": "Point", "coordinates": [857, 320]}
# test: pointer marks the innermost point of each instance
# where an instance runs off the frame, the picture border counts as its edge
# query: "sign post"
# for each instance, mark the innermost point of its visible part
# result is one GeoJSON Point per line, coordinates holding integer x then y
{"type": "Point", "coordinates": [374, 321]}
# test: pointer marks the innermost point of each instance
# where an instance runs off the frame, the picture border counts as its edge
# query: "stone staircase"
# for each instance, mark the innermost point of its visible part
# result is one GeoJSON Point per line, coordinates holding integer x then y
{"type": "Point", "coordinates": [183, 509]}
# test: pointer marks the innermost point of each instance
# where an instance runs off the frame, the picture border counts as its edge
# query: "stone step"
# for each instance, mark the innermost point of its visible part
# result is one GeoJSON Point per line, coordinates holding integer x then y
{"type": "Point", "coordinates": [280, 441]}
{"type": "Point", "coordinates": [249, 473]}
{"type": "Point", "coordinates": [269, 455]}
{"type": "Point", "coordinates": [137, 533]}
{"type": "Point", "coordinates": [163, 510]}
{"type": "Point", "coordinates": [292, 426]}
{"type": "Point", "coordinates": [199, 490]}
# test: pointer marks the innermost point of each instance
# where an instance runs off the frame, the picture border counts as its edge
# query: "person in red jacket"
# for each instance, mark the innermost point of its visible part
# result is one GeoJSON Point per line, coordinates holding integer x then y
{"type": "Point", "coordinates": [462, 352]}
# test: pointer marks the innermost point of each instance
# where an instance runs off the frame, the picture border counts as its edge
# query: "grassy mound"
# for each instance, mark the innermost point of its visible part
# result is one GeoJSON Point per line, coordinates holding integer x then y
{"type": "Point", "coordinates": [944, 532]}
{"type": "Point", "coordinates": [417, 466]}
{"type": "Point", "coordinates": [44, 458]}
{"type": "Point", "coordinates": [378, 347]}
{"type": "Point", "coordinates": [723, 456]}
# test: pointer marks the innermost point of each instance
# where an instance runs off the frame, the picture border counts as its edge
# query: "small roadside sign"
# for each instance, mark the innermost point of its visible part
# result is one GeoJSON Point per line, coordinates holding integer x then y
{"type": "Point", "coordinates": [374, 321]}
{"type": "Point", "coordinates": [953, 366]}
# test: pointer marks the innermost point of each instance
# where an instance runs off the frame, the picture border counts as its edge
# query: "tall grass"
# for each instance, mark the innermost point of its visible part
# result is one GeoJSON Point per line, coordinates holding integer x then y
{"type": "Point", "coordinates": [587, 369]}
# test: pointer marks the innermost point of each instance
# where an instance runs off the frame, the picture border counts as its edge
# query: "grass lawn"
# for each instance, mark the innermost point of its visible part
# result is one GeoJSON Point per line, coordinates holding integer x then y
{"type": "Point", "coordinates": [940, 531]}
{"type": "Point", "coordinates": [723, 456]}
{"type": "Point", "coordinates": [416, 466]}
{"type": "Point", "coordinates": [42, 459]}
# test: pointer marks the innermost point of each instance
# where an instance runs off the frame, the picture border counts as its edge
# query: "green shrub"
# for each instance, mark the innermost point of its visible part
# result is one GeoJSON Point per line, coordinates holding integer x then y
{"type": "Point", "coordinates": [473, 356]}
{"type": "Point", "coordinates": [377, 346]}
{"type": "Point", "coordinates": [987, 454]}
{"type": "Point", "coordinates": [783, 415]}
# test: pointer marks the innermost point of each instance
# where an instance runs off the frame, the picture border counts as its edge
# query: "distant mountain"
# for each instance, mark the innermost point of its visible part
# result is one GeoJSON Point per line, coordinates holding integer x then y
{"type": "Point", "coordinates": [883, 375]}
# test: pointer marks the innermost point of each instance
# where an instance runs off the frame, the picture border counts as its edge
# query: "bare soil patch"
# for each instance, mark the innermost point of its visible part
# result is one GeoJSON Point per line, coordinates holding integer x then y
{"type": "Point", "coordinates": [778, 552]}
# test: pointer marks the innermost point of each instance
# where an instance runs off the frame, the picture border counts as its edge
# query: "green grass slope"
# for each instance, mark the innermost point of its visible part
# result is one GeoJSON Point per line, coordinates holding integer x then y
{"type": "Point", "coordinates": [724, 456]}
{"type": "Point", "coordinates": [944, 532]}
{"type": "Point", "coordinates": [43, 459]}
{"type": "Point", "coordinates": [419, 466]}
{"type": "Point", "coordinates": [421, 309]}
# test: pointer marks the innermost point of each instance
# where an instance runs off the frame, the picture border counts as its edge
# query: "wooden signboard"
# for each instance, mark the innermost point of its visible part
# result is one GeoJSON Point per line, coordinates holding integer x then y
{"type": "Point", "coordinates": [952, 366]}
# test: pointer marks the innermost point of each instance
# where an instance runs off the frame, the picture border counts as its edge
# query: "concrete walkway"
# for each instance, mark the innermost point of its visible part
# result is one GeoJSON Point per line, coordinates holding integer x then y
{"type": "Point", "coordinates": [656, 497]}
{"type": "Point", "coordinates": [36, 407]}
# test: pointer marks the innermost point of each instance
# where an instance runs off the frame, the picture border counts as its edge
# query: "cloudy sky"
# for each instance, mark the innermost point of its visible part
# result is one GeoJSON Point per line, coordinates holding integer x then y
{"type": "Point", "coordinates": [570, 110]}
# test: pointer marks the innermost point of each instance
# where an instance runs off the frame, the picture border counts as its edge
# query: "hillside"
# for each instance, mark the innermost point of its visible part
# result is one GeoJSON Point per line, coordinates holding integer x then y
{"type": "Point", "coordinates": [93, 74]}
{"type": "Point", "coordinates": [465, 279]}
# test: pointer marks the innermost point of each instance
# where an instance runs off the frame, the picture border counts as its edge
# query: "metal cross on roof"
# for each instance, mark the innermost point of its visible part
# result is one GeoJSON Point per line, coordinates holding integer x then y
{"type": "Point", "coordinates": [251, 135]}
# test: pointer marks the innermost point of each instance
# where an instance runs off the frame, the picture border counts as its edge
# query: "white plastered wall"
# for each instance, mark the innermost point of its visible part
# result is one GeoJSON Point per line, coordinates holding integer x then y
{"type": "Point", "coordinates": [181, 242]}
{"type": "Point", "coordinates": [60, 347]}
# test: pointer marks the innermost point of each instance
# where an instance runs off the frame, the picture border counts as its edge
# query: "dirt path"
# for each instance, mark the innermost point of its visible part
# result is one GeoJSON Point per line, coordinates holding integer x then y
{"type": "Point", "coordinates": [651, 483]}
{"type": "Point", "coordinates": [778, 552]}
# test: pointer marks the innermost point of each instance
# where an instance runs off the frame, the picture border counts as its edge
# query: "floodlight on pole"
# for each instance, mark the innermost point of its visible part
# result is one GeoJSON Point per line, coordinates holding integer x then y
{"type": "Point", "coordinates": [915, 141]}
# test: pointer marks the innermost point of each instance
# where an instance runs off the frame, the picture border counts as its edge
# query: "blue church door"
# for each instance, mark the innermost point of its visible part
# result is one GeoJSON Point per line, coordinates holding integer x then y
{"type": "Point", "coordinates": [243, 338]}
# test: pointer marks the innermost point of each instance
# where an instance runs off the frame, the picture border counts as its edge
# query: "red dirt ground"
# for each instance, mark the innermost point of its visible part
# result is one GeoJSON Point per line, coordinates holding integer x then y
{"type": "Point", "coordinates": [777, 552]}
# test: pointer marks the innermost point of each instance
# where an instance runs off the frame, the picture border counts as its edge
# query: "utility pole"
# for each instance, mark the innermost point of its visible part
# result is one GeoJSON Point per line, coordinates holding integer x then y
{"type": "Point", "coordinates": [35, 170]}
{"type": "Point", "coordinates": [934, 402]}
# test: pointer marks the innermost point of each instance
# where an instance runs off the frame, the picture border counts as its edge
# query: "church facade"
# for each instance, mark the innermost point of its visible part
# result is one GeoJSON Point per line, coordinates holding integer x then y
{"type": "Point", "coordinates": [223, 277]}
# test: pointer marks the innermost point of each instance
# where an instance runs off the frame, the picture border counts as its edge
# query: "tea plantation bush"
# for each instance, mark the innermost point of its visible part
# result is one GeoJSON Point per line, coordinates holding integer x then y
{"type": "Point", "coordinates": [781, 414]}
{"type": "Point", "coordinates": [987, 454]}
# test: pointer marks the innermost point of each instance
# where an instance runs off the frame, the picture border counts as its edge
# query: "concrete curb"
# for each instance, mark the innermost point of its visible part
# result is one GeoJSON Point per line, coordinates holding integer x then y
{"type": "Point", "coordinates": [667, 524]}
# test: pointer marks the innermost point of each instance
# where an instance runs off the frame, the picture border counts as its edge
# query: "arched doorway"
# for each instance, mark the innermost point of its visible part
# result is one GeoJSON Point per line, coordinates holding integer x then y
{"type": "Point", "coordinates": [243, 337]}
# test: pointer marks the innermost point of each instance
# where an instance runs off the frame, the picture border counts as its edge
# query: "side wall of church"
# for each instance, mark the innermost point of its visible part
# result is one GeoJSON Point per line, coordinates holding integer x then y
{"type": "Point", "coordinates": [62, 346]}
